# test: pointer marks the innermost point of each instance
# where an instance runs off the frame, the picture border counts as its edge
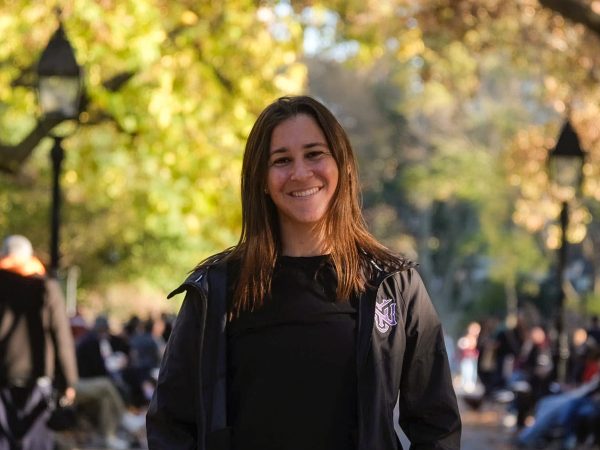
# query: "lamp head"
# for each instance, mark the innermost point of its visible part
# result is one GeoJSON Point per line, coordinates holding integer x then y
{"type": "Point", "coordinates": [566, 163]}
{"type": "Point", "coordinates": [59, 78]}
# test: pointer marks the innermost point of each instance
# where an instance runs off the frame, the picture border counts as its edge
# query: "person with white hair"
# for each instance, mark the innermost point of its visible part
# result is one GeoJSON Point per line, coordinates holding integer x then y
{"type": "Point", "coordinates": [17, 256]}
{"type": "Point", "coordinates": [36, 348]}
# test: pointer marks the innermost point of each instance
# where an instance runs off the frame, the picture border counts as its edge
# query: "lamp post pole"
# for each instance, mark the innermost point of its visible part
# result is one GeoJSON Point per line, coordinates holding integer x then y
{"type": "Point", "coordinates": [57, 155]}
{"type": "Point", "coordinates": [563, 340]}
{"type": "Point", "coordinates": [566, 173]}
{"type": "Point", "coordinates": [59, 94]}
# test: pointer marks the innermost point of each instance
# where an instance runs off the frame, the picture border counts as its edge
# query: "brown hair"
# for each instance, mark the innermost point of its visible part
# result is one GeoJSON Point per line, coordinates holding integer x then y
{"type": "Point", "coordinates": [353, 248]}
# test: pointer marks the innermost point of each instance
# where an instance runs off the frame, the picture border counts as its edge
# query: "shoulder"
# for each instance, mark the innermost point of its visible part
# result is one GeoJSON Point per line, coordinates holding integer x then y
{"type": "Point", "coordinates": [379, 268]}
{"type": "Point", "coordinates": [405, 277]}
{"type": "Point", "coordinates": [406, 286]}
{"type": "Point", "coordinates": [410, 279]}
{"type": "Point", "coordinates": [198, 277]}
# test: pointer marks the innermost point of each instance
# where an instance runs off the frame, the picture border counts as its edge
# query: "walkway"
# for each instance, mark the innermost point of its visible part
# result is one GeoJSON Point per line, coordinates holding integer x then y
{"type": "Point", "coordinates": [482, 428]}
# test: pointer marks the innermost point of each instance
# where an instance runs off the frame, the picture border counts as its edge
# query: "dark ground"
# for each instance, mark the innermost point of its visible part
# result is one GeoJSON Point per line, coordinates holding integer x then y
{"type": "Point", "coordinates": [483, 429]}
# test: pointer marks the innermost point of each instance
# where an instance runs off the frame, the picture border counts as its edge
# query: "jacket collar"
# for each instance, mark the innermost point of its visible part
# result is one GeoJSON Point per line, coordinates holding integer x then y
{"type": "Point", "coordinates": [197, 278]}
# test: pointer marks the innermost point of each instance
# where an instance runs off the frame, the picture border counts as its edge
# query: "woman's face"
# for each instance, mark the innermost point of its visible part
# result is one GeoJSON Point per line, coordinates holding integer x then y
{"type": "Point", "coordinates": [302, 175]}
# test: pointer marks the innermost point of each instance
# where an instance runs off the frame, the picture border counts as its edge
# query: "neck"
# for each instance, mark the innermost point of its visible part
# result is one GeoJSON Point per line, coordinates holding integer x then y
{"type": "Point", "coordinates": [303, 242]}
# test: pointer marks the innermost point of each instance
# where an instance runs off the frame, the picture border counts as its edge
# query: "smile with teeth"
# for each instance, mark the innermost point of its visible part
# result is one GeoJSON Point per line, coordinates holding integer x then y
{"type": "Point", "coordinates": [306, 192]}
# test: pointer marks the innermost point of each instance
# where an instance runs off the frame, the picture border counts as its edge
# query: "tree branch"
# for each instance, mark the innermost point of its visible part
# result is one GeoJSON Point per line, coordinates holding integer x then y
{"type": "Point", "coordinates": [115, 83]}
{"type": "Point", "coordinates": [575, 11]}
{"type": "Point", "coordinates": [11, 157]}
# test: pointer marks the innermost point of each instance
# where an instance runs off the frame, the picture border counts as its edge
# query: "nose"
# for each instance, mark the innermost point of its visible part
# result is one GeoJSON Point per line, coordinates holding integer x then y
{"type": "Point", "coordinates": [301, 171]}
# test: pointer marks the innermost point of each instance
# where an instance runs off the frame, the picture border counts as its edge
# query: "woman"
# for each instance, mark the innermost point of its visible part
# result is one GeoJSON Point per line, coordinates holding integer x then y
{"type": "Point", "coordinates": [303, 335]}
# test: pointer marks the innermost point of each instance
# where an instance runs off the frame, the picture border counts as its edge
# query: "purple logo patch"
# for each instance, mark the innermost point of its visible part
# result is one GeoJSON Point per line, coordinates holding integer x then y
{"type": "Point", "coordinates": [385, 314]}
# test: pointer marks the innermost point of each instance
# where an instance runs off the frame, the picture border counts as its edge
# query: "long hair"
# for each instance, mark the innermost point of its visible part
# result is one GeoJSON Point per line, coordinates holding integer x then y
{"type": "Point", "coordinates": [353, 248]}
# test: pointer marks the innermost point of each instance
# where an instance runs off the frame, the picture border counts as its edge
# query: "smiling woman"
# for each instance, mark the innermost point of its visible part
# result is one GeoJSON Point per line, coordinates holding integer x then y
{"type": "Point", "coordinates": [304, 334]}
{"type": "Point", "coordinates": [301, 181]}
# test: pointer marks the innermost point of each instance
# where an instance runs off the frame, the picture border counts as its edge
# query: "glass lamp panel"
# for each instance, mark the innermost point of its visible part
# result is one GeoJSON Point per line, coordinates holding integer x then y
{"type": "Point", "coordinates": [566, 171]}
{"type": "Point", "coordinates": [59, 95]}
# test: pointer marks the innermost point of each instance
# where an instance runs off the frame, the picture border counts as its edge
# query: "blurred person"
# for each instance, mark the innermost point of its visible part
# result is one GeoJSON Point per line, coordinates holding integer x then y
{"type": "Point", "coordinates": [158, 333]}
{"type": "Point", "coordinates": [99, 399]}
{"type": "Point", "coordinates": [591, 366]}
{"type": "Point", "coordinates": [168, 319]}
{"type": "Point", "coordinates": [79, 325]}
{"type": "Point", "coordinates": [37, 353]}
{"type": "Point", "coordinates": [594, 329]}
{"type": "Point", "coordinates": [469, 354]}
{"type": "Point", "coordinates": [580, 347]}
{"type": "Point", "coordinates": [101, 353]}
{"type": "Point", "coordinates": [145, 358]}
{"type": "Point", "coordinates": [509, 340]}
{"type": "Point", "coordinates": [571, 416]}
{"type": "Point", "coordinates": [486, 347]}
{"type": "Point", "coordinates": [533, 372]}
{"type": "Point", "coordinates": [131, 327]}
{"type": "Point", "coordinates": [103, 390]}
{"type": "Point", "coordinates": [145, 353]}
{"type": "Point", "coordinates": [308, 331]}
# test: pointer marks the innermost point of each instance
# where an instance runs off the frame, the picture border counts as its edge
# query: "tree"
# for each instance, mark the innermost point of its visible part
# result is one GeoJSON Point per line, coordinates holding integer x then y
{"type": "Point", "coordinates": [151, 175]}
{"type": "Point", "coordinates": [460, 63]}
{"type": "Point", "coordinates": [577, 11]}
{"type": "Point", "coordinates": [458, 106]}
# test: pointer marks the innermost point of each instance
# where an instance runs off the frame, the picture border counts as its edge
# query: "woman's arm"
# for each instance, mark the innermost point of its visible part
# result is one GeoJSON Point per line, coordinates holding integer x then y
{"type": "Point", "coordinates": [428, 409]}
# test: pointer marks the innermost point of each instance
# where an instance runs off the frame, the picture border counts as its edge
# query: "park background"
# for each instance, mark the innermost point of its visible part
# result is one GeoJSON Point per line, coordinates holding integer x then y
{"type": "Point", "coordinates": [453, 107]}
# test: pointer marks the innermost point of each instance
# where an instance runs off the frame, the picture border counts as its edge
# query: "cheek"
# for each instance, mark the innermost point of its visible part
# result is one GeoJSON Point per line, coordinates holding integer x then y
{"type": "Point", "coordinates": [274, 180]}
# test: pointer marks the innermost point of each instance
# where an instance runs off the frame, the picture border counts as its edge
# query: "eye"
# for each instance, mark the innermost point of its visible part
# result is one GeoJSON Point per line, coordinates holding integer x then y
{"type": "Point", "coordinates": [280, 161]}
{"type": "Point", "coordinates": [316, 154]}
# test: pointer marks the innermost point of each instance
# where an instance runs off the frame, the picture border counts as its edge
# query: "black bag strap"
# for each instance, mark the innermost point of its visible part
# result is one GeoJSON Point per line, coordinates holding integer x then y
{"type": "Point", "coordinates": [12, 442]}
{"type": "Point", "coordinates": [24, 297]}
{"type": "Point", "coordinates": [37, 341]}
{"type": "Point", "coordinates": [4, 342]}
{"type": "Point", "coordinates": [18, 422]}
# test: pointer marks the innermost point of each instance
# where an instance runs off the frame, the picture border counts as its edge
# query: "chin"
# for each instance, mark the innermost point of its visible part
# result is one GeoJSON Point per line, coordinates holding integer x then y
{"type": "Point", "coordinates": [305, 221]}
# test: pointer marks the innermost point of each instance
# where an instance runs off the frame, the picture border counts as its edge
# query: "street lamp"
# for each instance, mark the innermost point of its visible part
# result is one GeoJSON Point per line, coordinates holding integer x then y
{"type": "Point", "coordinates": [60, 81]}
{"type": "Point", "coordinates": [566, 173]}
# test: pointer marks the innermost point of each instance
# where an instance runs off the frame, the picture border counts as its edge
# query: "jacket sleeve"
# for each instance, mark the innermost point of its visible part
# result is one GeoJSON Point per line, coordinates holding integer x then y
{"type": "Point", "coordinates": [171, 420]}
{"type": "Point", "coordinates": [429, 412]}
{"type": "Point", "coordinates": [62, 336]}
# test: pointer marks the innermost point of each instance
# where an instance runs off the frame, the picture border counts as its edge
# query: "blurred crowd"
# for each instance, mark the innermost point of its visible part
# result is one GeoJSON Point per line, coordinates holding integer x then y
{"type": "Point", "coordinates": [118, 367]}
{"type": "Point", "coordinates": [549, 395]}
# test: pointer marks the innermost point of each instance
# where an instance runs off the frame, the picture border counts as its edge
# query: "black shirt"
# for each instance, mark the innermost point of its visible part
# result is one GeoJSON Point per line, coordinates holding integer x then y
{"type": "Point", "coordinates": [292, 364]}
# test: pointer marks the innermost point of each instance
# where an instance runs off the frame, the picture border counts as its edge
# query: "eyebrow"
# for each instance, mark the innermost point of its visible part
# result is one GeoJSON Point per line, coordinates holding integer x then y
{"type": "Point", "coordinates": [305, 146]}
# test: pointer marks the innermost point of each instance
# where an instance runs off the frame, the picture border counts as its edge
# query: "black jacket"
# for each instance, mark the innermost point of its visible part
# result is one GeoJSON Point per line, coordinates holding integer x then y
{"type": "Point", "coordinates": [400, 352]}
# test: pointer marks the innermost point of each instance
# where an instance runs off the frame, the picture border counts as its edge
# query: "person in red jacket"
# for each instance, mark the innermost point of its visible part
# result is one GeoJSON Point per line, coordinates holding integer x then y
{"type": "Point", "coordinates": [34, 333]}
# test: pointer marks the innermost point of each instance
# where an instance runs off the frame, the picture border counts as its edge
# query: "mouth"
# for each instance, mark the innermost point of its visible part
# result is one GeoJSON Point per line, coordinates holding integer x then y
{"type": "Point", "coordinates": [305, 192]}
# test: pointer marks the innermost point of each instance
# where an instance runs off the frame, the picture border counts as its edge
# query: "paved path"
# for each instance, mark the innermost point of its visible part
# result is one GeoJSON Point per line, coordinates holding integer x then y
{"type": "Point", "coordinates": [483, 429]}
